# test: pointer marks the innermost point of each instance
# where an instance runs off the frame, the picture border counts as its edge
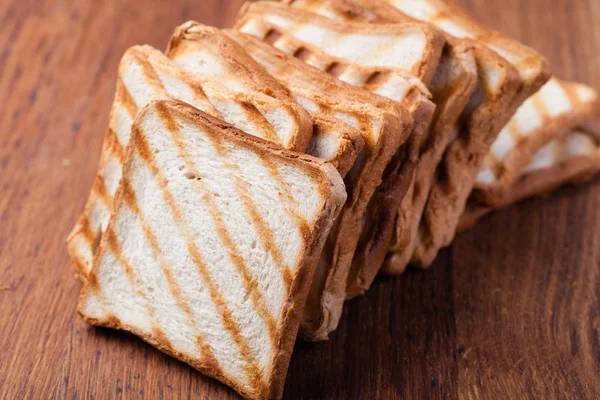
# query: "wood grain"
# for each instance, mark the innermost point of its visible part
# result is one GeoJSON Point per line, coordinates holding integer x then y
{"type": "Point", "coordinates": [511, 310]}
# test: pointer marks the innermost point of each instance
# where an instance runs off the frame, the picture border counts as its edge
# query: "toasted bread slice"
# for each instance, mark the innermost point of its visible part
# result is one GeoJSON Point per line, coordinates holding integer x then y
{"type": "Point", "coordinates": [572, 158]}
{"type": "Point", "coordinates": [509, 73]}
{"type": "Point", "coordinates": [413, 47]}
{"type": "Point", "coordinates": [556, 108]}
{"type": "Point", "coordinates": [144, 73]}
{"type": "Point", "coordinates": [380, 123]}
{"type": "Point", "coordinates": [207, 256]}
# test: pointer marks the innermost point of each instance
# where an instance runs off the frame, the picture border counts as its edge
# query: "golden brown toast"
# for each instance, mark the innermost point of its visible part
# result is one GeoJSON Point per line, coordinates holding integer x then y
{"type": "Point", "coordinates": [205, 256]}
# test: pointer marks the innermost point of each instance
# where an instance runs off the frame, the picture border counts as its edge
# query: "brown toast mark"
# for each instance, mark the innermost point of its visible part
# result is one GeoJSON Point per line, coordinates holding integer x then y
{"type": "Point", "coordinates": [266, 383]}
{"type": "Point", "coordinates": [143, 69]}
{"type": "Point", "coordinates": [328, 292]}
{"type": "Point", "coordinates": [556, 108]}
{"type": "Point", "coordinates": [573, 158]}
{"type": "Point", "coordinates": [310, 31]}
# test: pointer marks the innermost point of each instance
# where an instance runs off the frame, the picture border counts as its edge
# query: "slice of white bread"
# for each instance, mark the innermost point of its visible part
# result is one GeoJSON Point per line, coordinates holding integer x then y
{"type": "Point", "coordinates": [208, 53]}
{"type": "Point", "coordinates": [365, 54]}
{"type": "Point", "coordinates": [509, 73]}
{"type": "Point", "coordinates": [207, 256]}
{"type": "Point", "coordinates": [557, 107]}
{"type": "Point", "coordinates": [286, 27]}
{"type": "Point", "coordinates": [572, 158]}
{"type": "Point", "coordinates": [379, 121]}
{"type": "Point", "coordinates": [144, 73]}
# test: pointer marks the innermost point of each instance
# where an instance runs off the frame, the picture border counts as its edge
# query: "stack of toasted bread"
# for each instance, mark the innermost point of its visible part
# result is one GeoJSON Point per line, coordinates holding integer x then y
{"type": "Point", "coordinates": [253, 179]}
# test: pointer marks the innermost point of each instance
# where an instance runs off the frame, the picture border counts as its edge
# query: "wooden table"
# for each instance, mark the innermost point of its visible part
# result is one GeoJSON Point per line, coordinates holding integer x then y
{"type": "Point", "coordinates": [511, 310]}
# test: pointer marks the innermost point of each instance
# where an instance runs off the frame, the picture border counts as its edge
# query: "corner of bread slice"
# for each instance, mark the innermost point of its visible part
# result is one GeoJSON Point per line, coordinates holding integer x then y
{"type": "Point", "coordinates": [212, 247]}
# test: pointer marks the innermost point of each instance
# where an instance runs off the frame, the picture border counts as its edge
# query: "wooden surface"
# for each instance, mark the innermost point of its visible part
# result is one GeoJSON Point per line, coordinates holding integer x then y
{"type": "Point", "coordinates": [510, 311]}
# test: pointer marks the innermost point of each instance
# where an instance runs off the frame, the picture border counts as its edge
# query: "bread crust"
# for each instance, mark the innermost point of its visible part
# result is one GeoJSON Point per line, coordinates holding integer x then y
{"type": "Point", "coordinates": [333, 193]}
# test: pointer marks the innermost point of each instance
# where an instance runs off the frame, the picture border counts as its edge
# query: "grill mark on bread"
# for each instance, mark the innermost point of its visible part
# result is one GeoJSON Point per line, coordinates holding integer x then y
{"type": "Point", "coordinates": [227, 319]}
{"type": "Point", "coordinates": [254, 115]}
{"type": "Point", "coordinates": [272, 36]}
{"type": "Point", "coordinates": [232, 250]}
{"type": "Point", "coordinates": [540, 108]}
{"type": "Point", "coordinates": [514, 131]}
{"type": "Point", "coordinates": [88, 232]}
{"type": "Point", "coordinates": [102, 191]}
{"type": "Point", "coordinates": [494, 164]}
{"type": "Point", "coordinates": [302, 53]}
{"type": "Point", "coordinates": [336, 69]}
{"type": "Point", "coordinates": [126, 99]}
{"type": "Point", "coordinates": [115, 247]}
{"type": "Point", "coordinates": [151, 76]}
{"type": "Point", "coordinates": [571, 93]}
{"type": "Point", "coordinates": [376, 80]}
{"type": "Point", "coordinates": [115, 147]}
{"type": "Point", "coordinates": [559, 150]}
{"type": "Point", "coordinates": [128, 194]}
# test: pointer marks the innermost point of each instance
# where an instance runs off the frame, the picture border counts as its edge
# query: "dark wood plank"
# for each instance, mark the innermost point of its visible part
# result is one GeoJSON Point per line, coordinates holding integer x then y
{"type": "Point", "coordinates": [510, 311]}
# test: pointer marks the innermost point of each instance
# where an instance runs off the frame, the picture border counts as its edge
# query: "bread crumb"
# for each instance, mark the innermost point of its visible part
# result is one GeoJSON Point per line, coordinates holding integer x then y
{"type": "Point", "coordinates": [4, 288]}
{"type": "Point", "coordinates": [66, 162]}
